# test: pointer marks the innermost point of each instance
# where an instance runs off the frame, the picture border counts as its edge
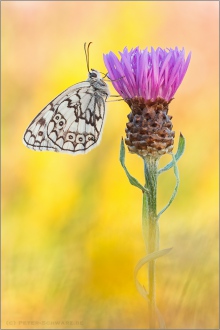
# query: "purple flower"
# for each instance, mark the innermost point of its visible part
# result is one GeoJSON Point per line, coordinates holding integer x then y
{"type": "Point", "coordinates": [151, 75]}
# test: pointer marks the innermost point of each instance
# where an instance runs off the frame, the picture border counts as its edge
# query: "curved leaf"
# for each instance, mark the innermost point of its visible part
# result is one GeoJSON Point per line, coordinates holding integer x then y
{"type": "Point", "coordinates": [131, 179]}
{"type": "Point", "coordinates": [141, 263]}
{"type": "Point", "coordinates": [179, 153]}
{"type": "Point", "coordinates": [176, 172]}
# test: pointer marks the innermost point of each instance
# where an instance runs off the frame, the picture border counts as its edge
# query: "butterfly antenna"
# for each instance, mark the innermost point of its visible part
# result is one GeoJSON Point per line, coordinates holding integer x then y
{"type": "Point", "coordinates": [87, 64]}
{"type": "Point", "coordinates": [87, 54]}
{"type": "Point", "coordinates": [104, 74]}
{"type": "Point", "coordinates": [112, 79]}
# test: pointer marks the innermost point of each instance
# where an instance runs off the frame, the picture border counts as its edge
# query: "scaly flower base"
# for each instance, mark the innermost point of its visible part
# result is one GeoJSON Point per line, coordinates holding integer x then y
{"type": "Point", "coordinates": [149, 130]}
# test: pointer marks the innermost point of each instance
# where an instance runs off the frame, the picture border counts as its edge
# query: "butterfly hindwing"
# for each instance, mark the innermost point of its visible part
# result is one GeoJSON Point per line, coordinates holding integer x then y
{"type": "Point", "coordinates": [35, 136]}
{"type": "Point", "coordinates": [72, 122]}
{"type": "Point", "coordinates": [77, 123]}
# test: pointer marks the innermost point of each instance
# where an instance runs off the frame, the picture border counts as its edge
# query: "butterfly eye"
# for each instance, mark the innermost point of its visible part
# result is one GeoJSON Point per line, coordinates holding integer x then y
{"type": "Point", "coordinates": [93, 75]}
{"type": "Point", "coordinates": [61, 123]}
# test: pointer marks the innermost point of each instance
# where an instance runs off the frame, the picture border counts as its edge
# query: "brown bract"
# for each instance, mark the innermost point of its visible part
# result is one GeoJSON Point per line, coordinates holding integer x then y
{"type": "Point", "coordinates": [149, 130]}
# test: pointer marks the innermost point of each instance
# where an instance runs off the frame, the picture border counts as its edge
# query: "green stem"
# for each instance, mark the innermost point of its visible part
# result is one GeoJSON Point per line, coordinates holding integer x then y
{"type": "Point", "coordinates": [150, 228]}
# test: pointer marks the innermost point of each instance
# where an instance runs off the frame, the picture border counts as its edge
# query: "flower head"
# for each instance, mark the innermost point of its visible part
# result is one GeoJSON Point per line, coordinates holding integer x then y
{"type": "Point", "coordinates": [145, 74]}
{"type": "Point", "coordinates": [147, 81]}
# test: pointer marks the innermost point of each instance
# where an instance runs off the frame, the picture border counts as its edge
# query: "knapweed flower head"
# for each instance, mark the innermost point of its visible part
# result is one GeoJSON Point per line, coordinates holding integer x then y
{"type": "Point", "coordinates": [147, 81]}
{"type": "Point", "coordinates": [150, 75]}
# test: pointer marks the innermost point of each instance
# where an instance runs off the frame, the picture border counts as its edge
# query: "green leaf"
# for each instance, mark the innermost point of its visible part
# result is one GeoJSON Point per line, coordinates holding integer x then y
{"type": "Point", "coordinates": [160, 319]}
{"type": "Point", "coordinates": [179, 153]}
{"type": "Point", "coordinates": [131, 179]}
{"type": "Point", "coordinates": [176, 172]}
{"type": "Point", "coordinates": [141, 289]}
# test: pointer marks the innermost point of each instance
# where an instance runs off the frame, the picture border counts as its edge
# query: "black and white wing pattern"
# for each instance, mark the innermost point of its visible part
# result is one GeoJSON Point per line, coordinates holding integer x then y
{"type": "Point", "coordinates": [73, 122]}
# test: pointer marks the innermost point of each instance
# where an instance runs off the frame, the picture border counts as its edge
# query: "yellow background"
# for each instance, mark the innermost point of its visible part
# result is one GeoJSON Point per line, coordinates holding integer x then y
{"type": "Point", "coordinates": [71, 226]}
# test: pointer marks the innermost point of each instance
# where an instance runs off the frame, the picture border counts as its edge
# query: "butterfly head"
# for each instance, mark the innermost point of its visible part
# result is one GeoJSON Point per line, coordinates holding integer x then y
{"type": "Point", "coordinates": [94, 74]}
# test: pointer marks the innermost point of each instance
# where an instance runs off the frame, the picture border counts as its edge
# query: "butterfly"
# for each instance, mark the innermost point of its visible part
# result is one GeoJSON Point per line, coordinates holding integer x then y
{"type": "Point", "coordinates": [73, 122]}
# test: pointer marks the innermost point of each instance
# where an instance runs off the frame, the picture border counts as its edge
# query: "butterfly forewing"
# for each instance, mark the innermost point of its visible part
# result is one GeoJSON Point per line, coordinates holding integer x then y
{"type": "Point", "coordinates": [73, 121]}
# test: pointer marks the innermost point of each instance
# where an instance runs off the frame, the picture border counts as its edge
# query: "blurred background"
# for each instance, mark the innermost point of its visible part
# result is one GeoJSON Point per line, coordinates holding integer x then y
{"type": "Point", "coordinates": [71, 225]}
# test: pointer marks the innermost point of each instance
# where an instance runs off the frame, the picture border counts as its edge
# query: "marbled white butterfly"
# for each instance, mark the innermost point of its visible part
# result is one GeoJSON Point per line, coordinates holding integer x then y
{"type": "Point", "coordinates": [73, 122]}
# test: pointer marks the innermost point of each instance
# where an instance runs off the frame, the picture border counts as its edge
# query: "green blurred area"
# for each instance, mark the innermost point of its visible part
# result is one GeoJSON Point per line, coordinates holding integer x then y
{"type": "Point", "coordinates": [71, 226]}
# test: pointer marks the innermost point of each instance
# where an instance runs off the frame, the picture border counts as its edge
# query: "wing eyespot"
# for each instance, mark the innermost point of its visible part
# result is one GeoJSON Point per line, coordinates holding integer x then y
{"type": "Point", "coordinates": [57, 118]}
{"type": "Point", "coordinates": [80, 138]}
{"type": "Point", "coordinates": [71, 137]}
{"type": "Point", "coordinates": [90, 137]}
